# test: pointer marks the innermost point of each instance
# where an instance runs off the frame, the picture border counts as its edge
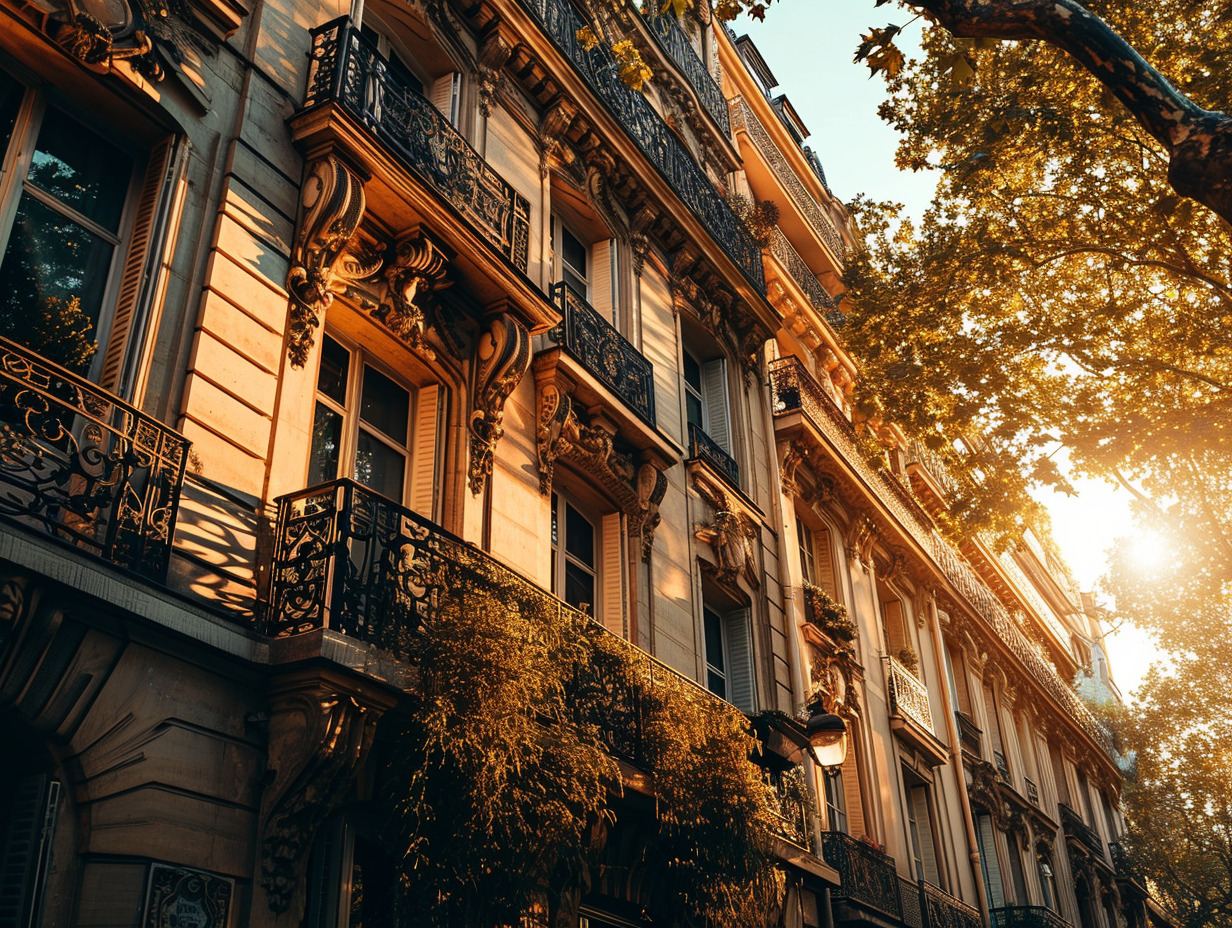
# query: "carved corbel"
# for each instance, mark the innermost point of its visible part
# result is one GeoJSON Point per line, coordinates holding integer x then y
{"type": "Point", "coordinates": [415, 271]}
{"type": "Point", "coordinates": [591, 448]}
{"type": "Point", "coordinates": [730, 533]}
{"type": "Point", "coordinates": [651, 488]}
{"type": "Point", "coordinates": [502, 357]}
{"type": "Point", "coordinates": [860, 540]}
{"type": "Point", "coordinates": [493, 54]}
{"type": "Point", "coordinates": [318, 741]}
{"type": "Point", "coordinates": [793, 455]}
{"type": "Point", "coordinates": [555, 410]}
{"type": "Point", "coordinates": [552, 128]}
{"type": "Point", "coordinates": [322, 262]}
{"type": "Point", "coordinates": [895, 563]}
{"type": "Point", "coordinates": [984, 791]}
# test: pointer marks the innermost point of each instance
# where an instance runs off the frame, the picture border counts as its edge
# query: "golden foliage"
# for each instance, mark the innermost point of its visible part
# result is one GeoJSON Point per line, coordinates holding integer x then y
{"type": "Point", "coordinates": [634, 72]}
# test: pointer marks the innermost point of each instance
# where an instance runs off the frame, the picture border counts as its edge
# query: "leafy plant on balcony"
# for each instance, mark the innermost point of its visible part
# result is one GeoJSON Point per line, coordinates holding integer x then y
{"type": "Point", "coordinates": [909, 659]}
{"type": "Point", "coordinates": [503, 787]}
{"type": "Point", "coordinates": [829, 616]}
{"type": "Point", "coordinates": [760, 216]}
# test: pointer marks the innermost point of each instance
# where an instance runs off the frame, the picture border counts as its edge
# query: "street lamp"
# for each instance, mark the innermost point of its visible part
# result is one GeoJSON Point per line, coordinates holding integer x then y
{"type": "Point", "coordinates": [827, 734]}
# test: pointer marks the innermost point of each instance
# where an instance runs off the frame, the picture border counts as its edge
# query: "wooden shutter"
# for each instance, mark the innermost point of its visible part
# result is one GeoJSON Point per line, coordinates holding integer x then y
{"type": "Point", "coordinates": [988, 861]}
{"type": "Point", "coordinates": [824, 561]}
{"type": "Point", "coordinates": [604, 296]}
{"type": "Point", "coordinates": [714, 398]}
{"type": "Point", "coordinates": [424, 451]}
{"type": "Point", "coordinates": [612, 574]}
{"type": "Point", "coordinates": [924, 827]}
{"type": "Point", "coordinates": [851, 790]}
{"type": "Point", "coordinates": [138, 281]}
{"type": "Point", "coordinates": [443, 94]}
{"type": "Point", "coordinates": [26, 852]}
{"type": "Point", "coordinates": [896, 640]}
{"type": "Point", "coordinates": [740, 688]}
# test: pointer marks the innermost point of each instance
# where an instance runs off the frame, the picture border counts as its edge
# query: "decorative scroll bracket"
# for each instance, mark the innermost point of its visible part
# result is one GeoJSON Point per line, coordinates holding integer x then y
{"type": "Point", "coordinates": [651, 488]}
{"type": "Point", "coordinates": [502, 357]}
{"type": "Point", "coordinates": [731, 533]}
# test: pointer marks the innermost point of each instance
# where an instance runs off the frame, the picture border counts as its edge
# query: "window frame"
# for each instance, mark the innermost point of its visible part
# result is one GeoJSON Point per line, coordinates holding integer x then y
{"type": "Point", "coordinates": [561, 556]}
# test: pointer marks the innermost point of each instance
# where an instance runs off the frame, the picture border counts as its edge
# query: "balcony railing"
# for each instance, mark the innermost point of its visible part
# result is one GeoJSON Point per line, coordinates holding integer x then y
{"type": "Point", "coordinates": [804, 277]}
{"type": "Point", "coordinates": [82, 466]}
{"type": "Point", "coordinates": [1074, 826]}
{"type": "Point", "coordinates": [705, 448]}
{"type": "Point", "coordinates": [931, 461]}
{"type": "Point", "coordinates": [677, 45]}
{"type": "Point", "coordinates": [910, 899]}
{"type": "Point", "coordinates": [346, 69]}
{"type": "Point", "coordinates": [742, 117]}
{"type": "Point", "coordinates": [1026, 916]}
{"type": "Point", "coordinates": [350, 560]}
{"type": "Point", "coordinates": [941, 910]}
{"type": "Point", "coordinates": [652, 135]}
{"type": "Point", "coordinates": [792, 387]}
{"type": "Point", "coordinates": [603, 351]}
{"type": "Point", "coordinates": [908, 696]}
{"type": "Point", "coordinates": [969, 735]}
{"type": "Point", "coordinates": [1033, 795]}
{"type": "Point", "coordinates": [1003, 766]}
{"type": "Point", "coordinates": [866, 875]}
{"type": "Point", "coordinates": [793, 804]}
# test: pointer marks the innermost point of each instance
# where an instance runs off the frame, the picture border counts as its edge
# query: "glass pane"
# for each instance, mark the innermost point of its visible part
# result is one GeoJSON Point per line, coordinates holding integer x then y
{"type": "Point", "coordinates": [693, 410]}
{"type": "Point", "coordinates": [335, 368]}
{"type": "Point", "coordinates": [326, 440]}
{"type": "Point", "coordinates": [579, 537]}
{"type": "Point", "coordinates": [579, 587]}
{"type": "Point", "coordinates": [716, 684]}
{"type": "Point", "coordinates": [385, 405]}
{"type": "Point", "coordinates": [714, 640]}
{"type": "Point", "coordinates": [80, 169]}
{"type": "Point", "coordinates": [692, 372]}
{"type": "Point", "coordinates": [379, 466]}
{"type": "Point", "coordinates": [52, 279]}
{"type": "Point", "coordinates": [573, 252]}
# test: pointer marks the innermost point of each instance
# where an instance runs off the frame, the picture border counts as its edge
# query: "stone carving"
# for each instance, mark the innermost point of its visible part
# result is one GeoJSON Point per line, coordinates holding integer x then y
{"type": "Point", "coordinates": [562, 432]}
{"type": "Point", "coordinates": [651, 488]}
{"type": "Point", "coordinates": [415, 270]}
{"type": "Point", "coordinates": [793, 454]}
{"type": "Point", "coordinates": [318, 742]}
{"type": "Point", "coordinates": [178, 896]}
{"type": "Point", "coordinates": [493, 54]}
{"type": "Point", "coordinates": [731, 533]}
{"type": "Point", "coordinates": [985, 792]}
{"type": "Point", "coordinates": [834, 675]}
{"type": "Point", "coordinates": [552, 128]}
{"type": "Point", "coordinates": [322, 262]}
{"type": "Point", "coordinates": [502, 357]}
{"type": "Point", "coordinates": [860, 538]}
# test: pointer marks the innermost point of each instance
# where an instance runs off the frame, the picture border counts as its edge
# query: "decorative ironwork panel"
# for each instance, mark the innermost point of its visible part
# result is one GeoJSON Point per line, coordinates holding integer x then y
{"type": "Point", "coordinates": [1077, 828]}
{"type": "Point", "coordinates": [704, 447]}
{"type": "Point", "coordinates": [941, 910]}
{"type": "Point", "coordinates": [652, 135]}
{"type": "Point", "coordinates": [909, 896]}
{"type": "Point", "coordinates": [792, 388]}
{"type": "Point", "coordinates": [605, 352]}
{"type": "Point", "coordinates": [866, 875]}
{"type": "Point", "coordinates": [742, 117]}
{"type": "Point", "coordinates": [671, 37]}
{"type": "Point", "coordinates": [85, 467]}
{"type": "Point", "coordinates": [908, 696]}
{"type": "Point", "coordinates": [1026, 916]}
{"type": "Point", "coordinates": [815, 164]}
{"type": "Point", "coordinates": [931, 462]}
{"type": "Point", "coordinates": [969, 736]}
{"type": "Point", "coordinates": [347, 69]}
{"type": "Point", "coordinates": [1033, 795]}
{"type": "Point", "coordinates": [1003, 766]}
{"type": "Point", "coordinates": [804, 277]}
{"type": "Point", "coordinates": [793, 806]}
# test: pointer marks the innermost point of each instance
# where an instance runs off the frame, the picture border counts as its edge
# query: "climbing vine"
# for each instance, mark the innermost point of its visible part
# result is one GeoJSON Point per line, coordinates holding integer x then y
{"type": "Point", "coordinates": [503, 789]}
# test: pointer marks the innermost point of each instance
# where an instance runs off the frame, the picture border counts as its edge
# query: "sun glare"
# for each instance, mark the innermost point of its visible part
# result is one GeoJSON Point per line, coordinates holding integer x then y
{"type": "Point", "coordinates": [1146, 551]}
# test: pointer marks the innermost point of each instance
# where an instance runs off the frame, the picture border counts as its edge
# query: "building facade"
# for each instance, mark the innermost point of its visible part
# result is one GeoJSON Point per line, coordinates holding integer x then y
{"type": "Point", "coordinates": [306, 305]}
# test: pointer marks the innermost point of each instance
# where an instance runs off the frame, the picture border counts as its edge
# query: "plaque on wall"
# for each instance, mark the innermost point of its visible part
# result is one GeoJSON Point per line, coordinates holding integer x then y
{"type": "Point", "coordinates": [181, 898]}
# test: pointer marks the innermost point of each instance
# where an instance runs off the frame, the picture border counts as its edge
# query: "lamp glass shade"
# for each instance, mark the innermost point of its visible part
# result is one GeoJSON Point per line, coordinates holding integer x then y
{"type": "Point", "coordinates": [827, 734]}
{"type": "Point", "coordinates": [832, 753]}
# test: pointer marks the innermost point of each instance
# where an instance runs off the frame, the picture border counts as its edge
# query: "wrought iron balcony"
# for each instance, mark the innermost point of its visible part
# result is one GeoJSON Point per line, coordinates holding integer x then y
{"type": "Point", "coordinates": [782, 251]}
{"type": "Point", "coordinates": [1003, 766]}
{"type": "Point", "coordinates": [911, 900]}
{"type": "Point", "coordinates": [931, 462]}
{"type": "Point", "coordinates": [941, 910]}
{"type": "Point", "coordinates": [1026, 916]}
{"type": "Point", "coordinates": [908, 696]}
{"type": "Point", "coordinates": [651, 134]}
{"type": "Point", "coordinates": [85, 467]}
{"type": "Point", "coordinates": [866, 875]}
{"type": "Point", "coordinates": [969, 735]}
{"type": "Point", "coordinates": [793, 806]}
{"type": "Point", "coordinates": [705, 448]}
{"type": "Point", "coordinates": [743, 119]}
{"type": "Point", "coordinates": [1075, 827]}
{"type": "Point", "coordinates": [671, 37]}
{"type": "Point", "coordinates": [347, 70]}
{"type": "Point", "coordinates": [1033, 795]}
{"type": "Point", "coordinates": [607, 354]}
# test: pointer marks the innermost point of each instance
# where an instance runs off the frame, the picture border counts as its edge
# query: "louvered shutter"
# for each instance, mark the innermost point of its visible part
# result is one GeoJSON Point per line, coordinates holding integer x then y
{"type": "Point", "coordinates": [138, 282]}
{"type": "Point", "coordinates": [443, 94]}
{"type": "Point", "coordinates": [988, 862]}
{"type": "Point", "coordinates": [851, 792]}
{"type": "Point", "coordinates": [824, 561]}
{"type": "Point", "coordinates": [893, 613]}
{"type": "Point", "coordinates": [924, 827]}
{"type": "Point", "coordinates": [612, 573]}
{"type": "Point", "coordinates": [604, 296]}
{"type": "Point", "coordinates": [740, 689]}
{"type": "Point", "coordinates": [26, 851]}
{"type": "Point", "coordinates": [424, 451]}
{"type": "Point", "coordinates": [714, 396]}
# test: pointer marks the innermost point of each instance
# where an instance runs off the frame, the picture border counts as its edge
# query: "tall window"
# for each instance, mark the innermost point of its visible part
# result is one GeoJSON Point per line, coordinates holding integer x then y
{"type": "Point", "coordinates": [63, 216]}
{"type": "Point", "coordinates": [706, 407]}
{"type": "Point", "coordinates": [808, 562]}
{"type": "Point", "coordinates": [920, 828]}
{"type": "Point", "coordinates": [574, 555]}
{"type": "Point", "coordinates": [587, 265]}
{"type": "Point", "coordinates": [363, 428]}
{"type": "Point", "coordinates": [836, 801]}
{"type": "Point", "coordinates": [716, 653]}
{"type": "Point", "coordinates": [443, 92]}
{"type": "Point", "coordinates": [728, 645]}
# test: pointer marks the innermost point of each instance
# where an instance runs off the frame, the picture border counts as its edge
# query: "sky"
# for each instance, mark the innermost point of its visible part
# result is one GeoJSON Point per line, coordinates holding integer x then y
{"type": "Point", "coordinates": [809, 45]}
